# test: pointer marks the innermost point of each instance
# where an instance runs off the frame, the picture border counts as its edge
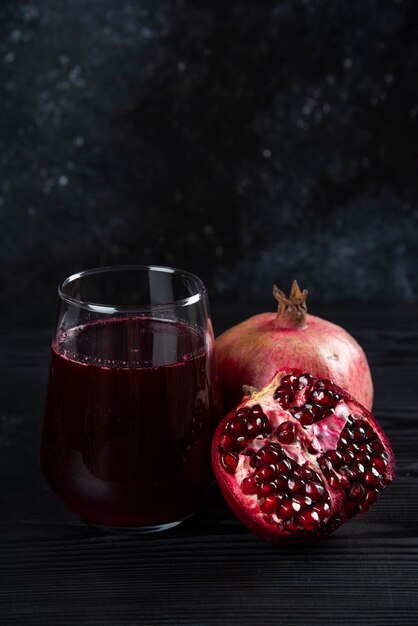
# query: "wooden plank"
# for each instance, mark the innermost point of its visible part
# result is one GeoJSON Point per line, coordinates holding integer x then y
{"type": "Point", "coordinates": [210, 571]}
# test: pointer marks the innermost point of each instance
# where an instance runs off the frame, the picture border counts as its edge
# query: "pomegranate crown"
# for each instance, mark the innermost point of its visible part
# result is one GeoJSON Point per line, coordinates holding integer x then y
{"type": "Point", "coordinates": [292, 310]}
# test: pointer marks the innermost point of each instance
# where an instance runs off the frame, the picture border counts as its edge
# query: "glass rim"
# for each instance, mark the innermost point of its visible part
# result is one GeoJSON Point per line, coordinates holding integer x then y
{"type": "Point", "coordinates": [98, 307]}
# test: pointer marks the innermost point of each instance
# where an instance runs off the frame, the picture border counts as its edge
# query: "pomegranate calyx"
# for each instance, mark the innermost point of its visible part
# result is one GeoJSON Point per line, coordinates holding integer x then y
{"type": "Point", "coordinates": [292, 309]}
{"type": "Point", "coordinates": [248, 390]}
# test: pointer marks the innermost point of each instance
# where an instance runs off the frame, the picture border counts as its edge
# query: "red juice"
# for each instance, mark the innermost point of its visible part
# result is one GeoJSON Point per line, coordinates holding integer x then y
{"type": "Point", "coordinates": [126, 439]}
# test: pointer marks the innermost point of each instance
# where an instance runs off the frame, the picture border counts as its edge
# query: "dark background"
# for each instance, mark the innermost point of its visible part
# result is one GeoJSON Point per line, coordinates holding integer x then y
{"type": "Point", "coordinates": [249, 142]}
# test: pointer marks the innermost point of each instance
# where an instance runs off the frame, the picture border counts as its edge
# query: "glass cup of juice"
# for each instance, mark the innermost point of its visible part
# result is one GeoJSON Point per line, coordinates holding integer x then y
{"type": "Point", "coordinates": [132, 399]}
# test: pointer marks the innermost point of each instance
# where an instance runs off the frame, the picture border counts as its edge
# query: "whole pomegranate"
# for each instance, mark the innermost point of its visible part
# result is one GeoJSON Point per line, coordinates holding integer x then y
{"type": "Point", "coordinates": [251, 352]}
{"type": "Point", "coordinates": [299, 458]}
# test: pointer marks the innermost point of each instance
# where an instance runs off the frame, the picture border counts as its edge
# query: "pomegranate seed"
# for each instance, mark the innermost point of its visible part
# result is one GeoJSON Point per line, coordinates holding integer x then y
{"type": "Point", "coordinates": [369, 434]}
{"type": "Point", "coordinates": [324, 383]}
{"type": "Point", "coordinates": [254, 426]}
{"type": "Point", "coordinates": [281, 483]}
{"type": "Point", "coordinates": [266, 472]}
{"type": "Point", "coordinates": [383, 482]}
{"type": "Point", "coordinates": [257, 411]}
{"type": "Point", "coordinates": [348, 456]}
{"type": "Point", "coordinates": [344, 441]}
{"type": "Point", "coordinates": [266, 489]}
{"type": "Point", "coordinates": [335, 458]}
{"type": "Point", "coordinates": [297, 412]}
{"type": "Point", "coordinates": [268, 455]}
{"type": "Point", "coordinates": [369, 498]}
{"type": "Point", "coordinates": [266, 426]}
{"type": "Point", "coordinates": [291, 381]}
{"type": "Point", "coordinates": [372, 478]}
{"type": "Point", "coordinates": [303, 502]}
{"type": "Point", "coordinates": [295, 485]}
{"type": "Point", "coordinates": [376, 446]}
{"type": "Point", "coordinates": [358, 469]}
{"type": "Point", "coordinates": [317, 410]}
{"type": "Point", "coordinates": [305, 416]}
{"type": "Point", "coordinates": [333, 523]}
{"type": "Point", "coordinates": [253, 459]}
{"type": "Point", "coordinates": [283, 398]}
{"type": "Point", "coordinates": [359, 435]}
{"type": "Point", "coordinates": [356, 491]}
{"type": "Point", "coordinates": [305, 380]}
{"type": "Point", "coordinates": [284, 467]}
{"type": "Point", "coordinates": [333, 481]}
{"type": "Point", "coordinates": [371, 495]}
{"type": "Point", "coordinates": [241, 443]}
{"type": "Point", "coordinates": [323, 509]}
{"type": "Point", "coordinates": [229, 462]}
{"type": "Point", "coordinates": [349, 434]}
{"type": "Point", "coordinates": [286, 433]}
{"type": "Point", "coordinates": [311, 448]}
{"type": "Point", "coordinates": [295, 529]}
{"type": "Point", "coordinates": [358, 420]}
{"type": "Point", "coordinates": [308, 417]}
{"type": "Point", "coordinates": [238, 426]}
{"type": "Point", "coordinates": [315, 491]}
{"type": "Point", "coordinates": [364, 459]}
{"type": "Point", "coordinates": [296, 505]}
{"type": "Point", "coordinates": [248, 485]}
{"type": "Point", "coordinates": [229, 442]}
{"type": "Point", "coordinates": [345, 471]}
{"type": "Point", "coordinates": [287, 389]}
{"type": "Point", "coordinates": [325, 464]}
{"type": "Point", "coordinates": [323, 398]}
{"type": "Point", "coordinates": [286, 511]}
{"type": "Point", "coordinates": [344, 482]}
{"type": "Point", "coordinates": [365, 448]}
{"type": "Point", "coordinates": [309, 520]}
{"type": "Point", "coordinates": [243, 411]}
{"type": "Point", "coordinates": [270, 504]}
{"type": "Point", "coordinates": [379, 464]}
{"type": "Point", "coordinates": [305, 473]}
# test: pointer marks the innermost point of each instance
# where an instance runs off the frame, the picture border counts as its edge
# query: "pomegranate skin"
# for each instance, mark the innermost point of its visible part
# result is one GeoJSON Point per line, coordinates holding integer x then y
{"type": "Point", "coordinates": [340, 505]}
{"type": "Point", "coordinates": [252, 351]}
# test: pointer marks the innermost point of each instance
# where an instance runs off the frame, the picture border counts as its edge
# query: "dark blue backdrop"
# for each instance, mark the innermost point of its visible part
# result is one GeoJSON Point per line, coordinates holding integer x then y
{"type": "Point", "coordinates": [249, 142]}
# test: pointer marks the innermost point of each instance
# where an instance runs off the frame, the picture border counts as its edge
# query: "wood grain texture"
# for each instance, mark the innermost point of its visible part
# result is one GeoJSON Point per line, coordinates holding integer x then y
{"type": "Point", "coordinates": [55, 570]}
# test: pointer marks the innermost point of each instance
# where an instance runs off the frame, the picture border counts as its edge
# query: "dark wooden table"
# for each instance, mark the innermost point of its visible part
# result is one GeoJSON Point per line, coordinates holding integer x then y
{"type": "Point", "coordinates": [56, 570]}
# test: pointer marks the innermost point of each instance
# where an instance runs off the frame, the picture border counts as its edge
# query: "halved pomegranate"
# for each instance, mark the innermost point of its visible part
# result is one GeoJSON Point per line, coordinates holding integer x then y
{"type": "Point", "coordinates": [299, 458]}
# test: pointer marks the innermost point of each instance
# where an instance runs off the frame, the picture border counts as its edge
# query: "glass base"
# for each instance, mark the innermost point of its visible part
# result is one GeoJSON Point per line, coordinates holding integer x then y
{"type": "Point", "coordinates": [137, 530]}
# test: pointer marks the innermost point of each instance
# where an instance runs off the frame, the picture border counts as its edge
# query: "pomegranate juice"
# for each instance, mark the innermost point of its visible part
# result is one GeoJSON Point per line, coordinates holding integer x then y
{"type": "Point", "coordinates": [127, 435]}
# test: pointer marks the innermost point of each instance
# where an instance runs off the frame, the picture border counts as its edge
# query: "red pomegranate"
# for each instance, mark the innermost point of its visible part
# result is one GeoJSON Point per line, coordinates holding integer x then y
{"type": "Point", "coordinates": [251, 352]}
{"type": "Point", "coordinates": [299, 458]}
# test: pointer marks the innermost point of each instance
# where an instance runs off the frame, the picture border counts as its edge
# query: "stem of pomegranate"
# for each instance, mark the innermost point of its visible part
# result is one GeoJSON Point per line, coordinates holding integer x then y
{"type": "Point", "coordinates": [292, 310]}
